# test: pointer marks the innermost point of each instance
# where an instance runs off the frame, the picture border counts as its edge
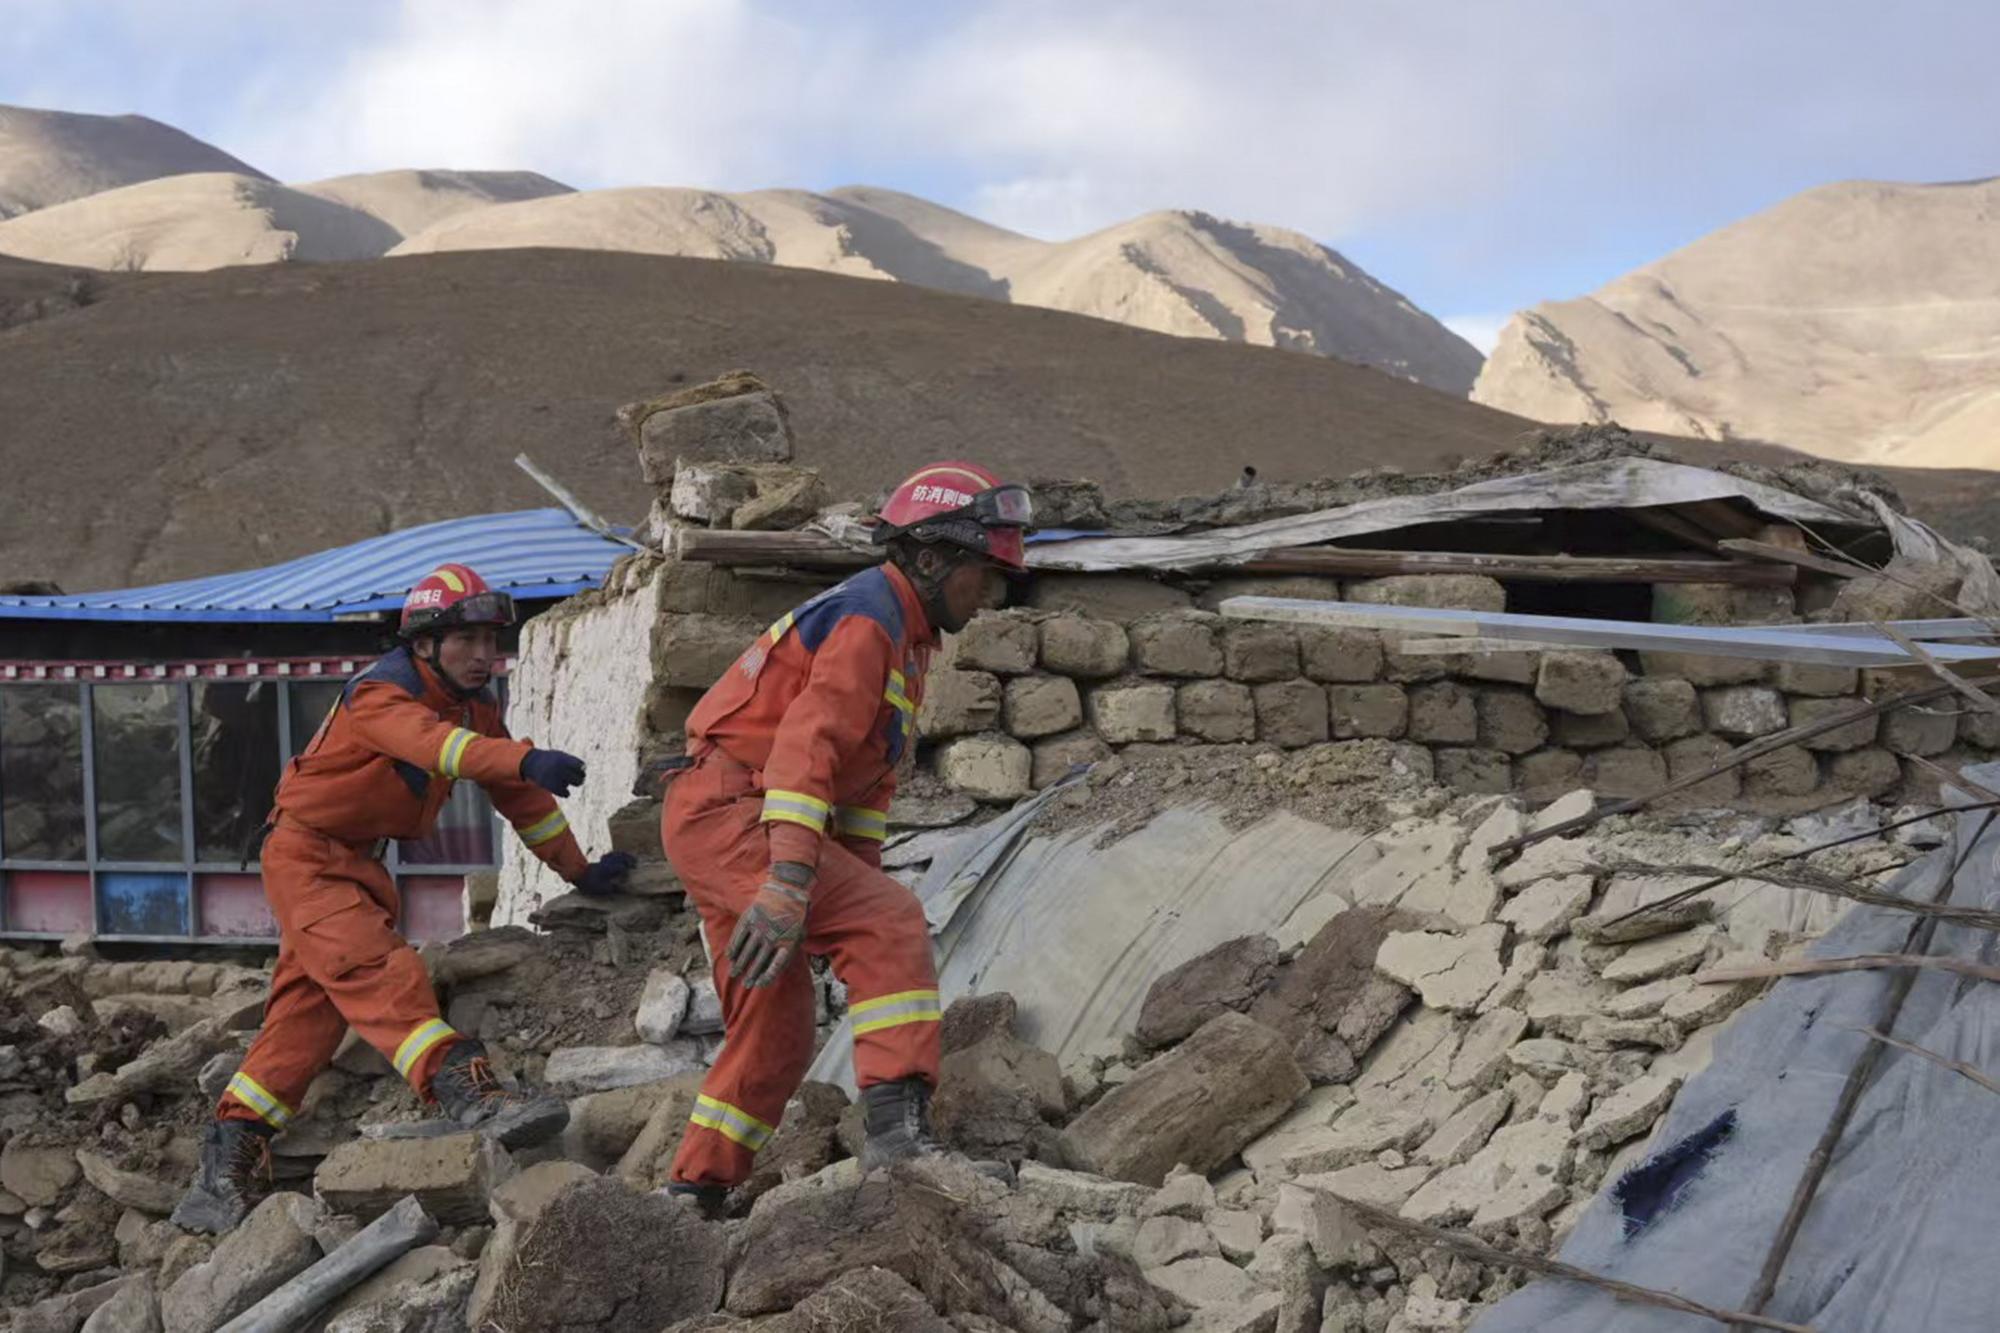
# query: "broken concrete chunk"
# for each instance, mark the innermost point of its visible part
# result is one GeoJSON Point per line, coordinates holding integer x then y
{"type": "Point", "coordinates": [1544, 1057]}
{"type": "Point", "coordinates": [451, 1175]}
{"type": "Point", "coordinates": [273, 1245]}
{"type": "Point", "coordinates": [1080, 1193]}
{"type": "Point", "coordinates": [1197, 1104]}
{"type": "Point", "coordinates": [1546, 908]}
{"type": "Point", "coordinates": [602, 1068]}
{"type": "Point", "coordinates": [1481, 1061]}
{"type": "Point", "coordinates": [1647, 999]}
{"type": "Point", "coordinates": [1452, 972]}
{"type": "Point", "coordinates": [1566, 1102]}
{"type": "Point", "coordinates": [662, 1005]}
{"type": "Point", "coordinates": [134, 1308]}
{"type": "Point", "coordinates": [1552, 856]}
{"type": "Point", "coordinates": [1668, 955]}
{"type": "Point", "coordinates": [1630, 1111]}
{"type": "Point", "coordinates": [1560, 1002]}
{"type": "Point", "coordinates": [1467, 1131]}
{"type": "Point", "coordinates": [997, 1097]}
{"type": "Point", "coordinates": [1162, 1240]}
{"type": "Point", "coordinates": [1627, 893]}
{"type": "Point", "coordinates": [1238, 1233]}
{"type": "Point", "coordinates": [37, 1173]}
{"type": "Point", "coordinates": [1700, 1005]}
{"type": "Point", "coordinates": [1207, 1283]}
{"type": "Point", "coordinates": [1185, 1194]}
{"type": "Point", "coordinates": [1520, 1174]}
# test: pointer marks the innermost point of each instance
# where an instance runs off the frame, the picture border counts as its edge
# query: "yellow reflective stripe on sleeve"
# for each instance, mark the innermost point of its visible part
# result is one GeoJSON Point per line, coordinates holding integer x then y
{"type": "Point", "coordinates": [779, 626]}
{"type": "Point", "coordinates": [858, 821]}
{"type": "Point", "coordinates": [255, 1096]}
{"type": "Point", "coordinates": [796, 807]}
{"type": "Point", "coordinates": [419, 1043]}
{"type": "Point", "coordinates": [453, 750]}
{"type": "Point", "coordinates": [732, 1122]}
{"type": "Point", "coordinates": [551, 825]}
{"type": "Point", "coordinates": [888, 1011]}
{"type": "Point", "coordinates": [898, 693]}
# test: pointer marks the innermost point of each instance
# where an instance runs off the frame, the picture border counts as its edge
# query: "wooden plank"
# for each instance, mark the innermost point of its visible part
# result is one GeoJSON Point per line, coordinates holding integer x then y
{"type": "Point", "coordinates": [1784, 555]}
{"type": "Point", "coordinates": [809, 550]}
{"type": "Point", "coordinates": [1759, 643]}
{"type": "Point", "coordinates": [1528, 568]}
{"type": "Point", "coordinates": [1662, 519]}
{"type": "Point", "coordinates": [1721, 518]}
{"type": "Point", "coordinates": [1979, 699]}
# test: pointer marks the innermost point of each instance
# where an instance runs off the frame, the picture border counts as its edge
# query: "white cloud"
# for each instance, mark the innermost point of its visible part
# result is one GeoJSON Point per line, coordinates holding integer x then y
{"type": "Point", "coordinates": [1482, 331]}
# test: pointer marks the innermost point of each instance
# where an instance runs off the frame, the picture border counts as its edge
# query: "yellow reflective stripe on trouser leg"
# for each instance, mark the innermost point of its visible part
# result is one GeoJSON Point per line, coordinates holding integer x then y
{"type": "Point", "coordinates": [889, 1011]}
{"type": "Point", "coordinates": [732, 1122]}
{"type": "Point", "coordinates": [859, 821]}
{"type": "Point", "coordinates": [551, 825]}
{"type": "Point", "coordinates": [796, 807]}
{"type": "Point", "coordinates": [259, 1099]}
{"type": "Point", "coordinates": [422, 1038]}
{"type": "Point", "coordinates": [453, 750]}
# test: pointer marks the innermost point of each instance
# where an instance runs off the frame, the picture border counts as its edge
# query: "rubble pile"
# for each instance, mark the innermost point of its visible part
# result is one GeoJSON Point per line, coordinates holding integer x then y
{"type": "Point", "coordinates": [1469, 1042]}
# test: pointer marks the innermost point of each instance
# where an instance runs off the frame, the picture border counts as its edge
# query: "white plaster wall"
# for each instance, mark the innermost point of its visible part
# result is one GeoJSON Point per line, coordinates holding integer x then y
{"type": "Point", "coordinates": [579, 685]}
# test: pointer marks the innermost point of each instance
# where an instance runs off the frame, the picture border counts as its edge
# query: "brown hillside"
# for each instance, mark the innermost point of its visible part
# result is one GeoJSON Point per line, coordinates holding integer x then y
{"type": "Point", "coordinates": [173, 425]}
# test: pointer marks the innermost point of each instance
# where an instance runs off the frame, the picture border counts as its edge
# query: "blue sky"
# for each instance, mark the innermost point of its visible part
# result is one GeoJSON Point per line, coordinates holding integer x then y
{"type": "Point", "coordinates": [1479, 155]}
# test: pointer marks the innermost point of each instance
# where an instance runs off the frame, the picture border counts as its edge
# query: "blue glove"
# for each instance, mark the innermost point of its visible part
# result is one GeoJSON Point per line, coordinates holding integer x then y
{"type": "Point", "coordinates": [605, 875]}
{"type": "Point", "coordinates": [552, 770]}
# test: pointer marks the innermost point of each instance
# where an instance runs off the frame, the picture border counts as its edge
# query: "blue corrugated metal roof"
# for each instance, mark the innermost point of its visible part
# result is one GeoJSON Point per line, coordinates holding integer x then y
{"type": "Point", "coordinates": [536, 553]}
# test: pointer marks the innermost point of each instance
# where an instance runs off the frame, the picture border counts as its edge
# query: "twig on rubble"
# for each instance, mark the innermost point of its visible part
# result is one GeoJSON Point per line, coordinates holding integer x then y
{"type": "Point", "coordinates": [1980, 699]}
{"type": "Point", "coordinates": [1460, 1243]}
{"type": "Point", "coordinates": [1736, 758]}
{"type": "Point", "coordinates": [1917, 943]}
{"type": "Point", "coordinates": [1943, 1061]}
{"type": "Point", "coordinates": [1811, 881]}
{"type": "Point", "coordinates": [1944, 775]}
{"type": "Point", "coordinates": [1859, 962]}
{"type": "Point", "coordinates": [1755, 872]}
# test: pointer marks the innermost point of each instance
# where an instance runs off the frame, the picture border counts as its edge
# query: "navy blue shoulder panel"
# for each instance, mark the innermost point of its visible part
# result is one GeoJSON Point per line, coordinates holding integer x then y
{"type": "Point", "coordinates": [868, 593]}
{"type": "Point", "coordinates": [395, 667]}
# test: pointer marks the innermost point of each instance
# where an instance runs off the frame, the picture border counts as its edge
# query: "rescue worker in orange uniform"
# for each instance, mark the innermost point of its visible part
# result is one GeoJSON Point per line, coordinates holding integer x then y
{"type": "Point", "coordinates": [776, 829]}
{"type": "Point", "coordinates": [381, 766]}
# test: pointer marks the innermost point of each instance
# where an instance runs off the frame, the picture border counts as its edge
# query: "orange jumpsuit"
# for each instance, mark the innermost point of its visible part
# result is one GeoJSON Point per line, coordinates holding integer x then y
{"type": "Point", "coordinates": [381, 766]}
{"type": "Point", "coordinates": [795, 752]}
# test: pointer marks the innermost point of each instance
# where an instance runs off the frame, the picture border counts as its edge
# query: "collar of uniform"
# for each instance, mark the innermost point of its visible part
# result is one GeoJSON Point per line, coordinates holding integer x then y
{"type": "Point", "coordinates": [436, 692]}
{"type": "Point", "coordinates": [921, 630]}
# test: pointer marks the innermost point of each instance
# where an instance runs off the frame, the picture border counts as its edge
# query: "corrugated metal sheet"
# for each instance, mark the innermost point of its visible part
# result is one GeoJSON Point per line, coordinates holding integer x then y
{"type": "Point", "coordinates": [537, 553]}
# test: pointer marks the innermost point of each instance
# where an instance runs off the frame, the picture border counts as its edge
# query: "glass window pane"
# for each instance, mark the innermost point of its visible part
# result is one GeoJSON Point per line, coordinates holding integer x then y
{"type": "Point", "coordinates": [41, 772]}
{"type": "Point", "coordinates": [312, 701]}
{"type": "Point", "coordinates": [464, 834]}
{"type": "Point", "coordinates": [138, 769]}
{"type": "Point", "coordinates": [235, 764]}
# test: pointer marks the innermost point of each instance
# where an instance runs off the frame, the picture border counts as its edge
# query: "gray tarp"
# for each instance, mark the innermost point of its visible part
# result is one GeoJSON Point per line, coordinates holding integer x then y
{"type": "Point", "coordinates": [1078, 935]}
{"type": "Point", "coordinates": [1903, 1232]}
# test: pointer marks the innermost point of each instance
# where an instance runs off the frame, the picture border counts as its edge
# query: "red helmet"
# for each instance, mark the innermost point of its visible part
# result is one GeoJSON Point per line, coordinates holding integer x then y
{"type": "Point", "coordinates": [451, 596]}
{"type": "Point", "coordinates": [964, 504]}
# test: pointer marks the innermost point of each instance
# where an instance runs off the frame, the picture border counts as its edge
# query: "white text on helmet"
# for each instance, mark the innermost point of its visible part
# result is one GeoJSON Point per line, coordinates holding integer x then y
{"type": "Point", "coordinates": [426, 596]}
{"type": "Point", "coordinates": [944, 495]}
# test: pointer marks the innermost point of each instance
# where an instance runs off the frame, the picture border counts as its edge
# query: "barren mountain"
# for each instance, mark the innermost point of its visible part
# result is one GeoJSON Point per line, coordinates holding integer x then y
{"type": "Point", "coordinates": [166, 425]}
{"type": "Point", "coordinates": [203, 221]}
{"type": "Point", "coordinates": [1860, 321]}
{"type": "Point", "coordinates": [409, 201]}
{"type": "Point", "coordinates": [1185, 273]}
{"type": "Point", "coordinates": [51, 157]}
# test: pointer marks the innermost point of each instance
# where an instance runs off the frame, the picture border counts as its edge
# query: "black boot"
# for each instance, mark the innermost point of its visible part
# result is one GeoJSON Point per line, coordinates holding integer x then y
{"type": "Point", "coordinates": [235, 1167]}
{"type": "Point", "coordinates": [711, 1201]}
{"type": "Point", "coordinates": [897, 1123]}
{"type": "Point", "coordinates": [469, 1093]}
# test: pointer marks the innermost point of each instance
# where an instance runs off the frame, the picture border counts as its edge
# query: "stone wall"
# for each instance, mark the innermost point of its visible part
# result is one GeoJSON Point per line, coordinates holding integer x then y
{"type": "Point", "coordinates": [1095, 663]}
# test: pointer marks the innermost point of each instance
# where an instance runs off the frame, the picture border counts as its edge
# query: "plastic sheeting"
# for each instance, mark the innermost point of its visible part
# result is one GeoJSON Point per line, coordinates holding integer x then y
{"type": "Point", "coordinates": [1078, 934]}
{"type": "Point", "coordinates": [1901, 1233]}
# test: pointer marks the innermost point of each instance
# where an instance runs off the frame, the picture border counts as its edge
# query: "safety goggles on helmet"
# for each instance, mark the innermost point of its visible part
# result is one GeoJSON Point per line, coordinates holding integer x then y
{"type": "Point", "coordinates": [1007, 506]}
{"type": "Point", "coordinates": [480, 608]}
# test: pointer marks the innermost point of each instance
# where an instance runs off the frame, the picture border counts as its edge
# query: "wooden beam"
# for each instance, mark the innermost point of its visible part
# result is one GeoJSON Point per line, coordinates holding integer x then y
{"type": "Point", "coordinates": [1662, 519]}
{"type": "Point", "coordinates": [1784, 555]}
{"type": "Point", "coordinates": [1526, 568]}
{"type": "Point", "coordinates": [810, 550]}
{"type": "Point", "coordinates": [1720, 517]}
